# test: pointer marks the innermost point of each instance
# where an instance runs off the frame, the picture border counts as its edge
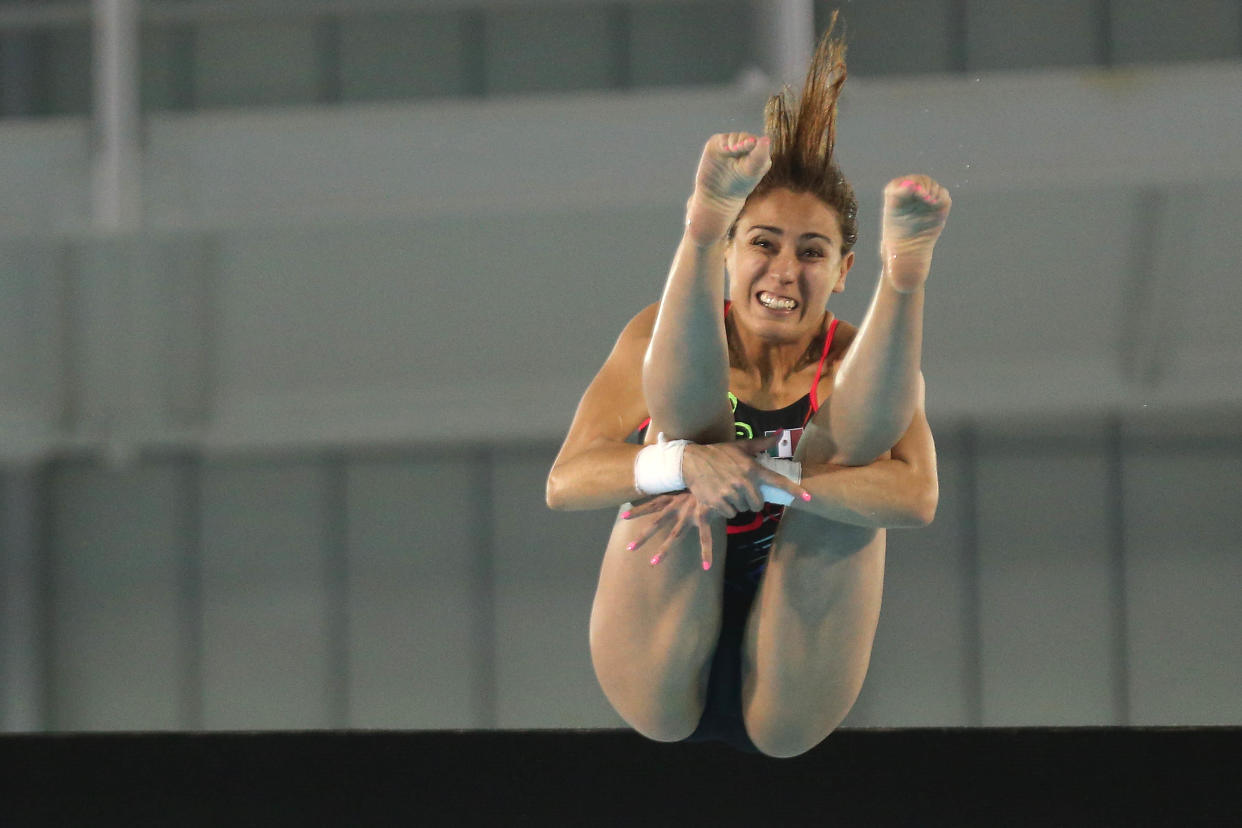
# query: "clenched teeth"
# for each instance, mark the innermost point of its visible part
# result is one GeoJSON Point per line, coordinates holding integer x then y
{"type": "Point", "coordinates": [771, 300]}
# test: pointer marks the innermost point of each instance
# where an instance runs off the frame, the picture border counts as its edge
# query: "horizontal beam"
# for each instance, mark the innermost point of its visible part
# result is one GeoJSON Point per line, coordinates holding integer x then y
{"type": "Point", "coordinates": [1000, 133]}
{"type": "Point", "coordinates": [66, 13]}
{"type": "Point", "coordinates": [1030, 776]}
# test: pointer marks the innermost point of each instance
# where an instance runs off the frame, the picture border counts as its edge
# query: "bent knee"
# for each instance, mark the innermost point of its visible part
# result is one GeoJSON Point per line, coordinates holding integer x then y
{"type": "Point", "coordinates": [782, 735]}
{"type": "Point", "coordinates": [665, 710]}
{"type": "Point", "coordinates": [665, 725]}
{"type": "Point", "coordinates": [786, 742]}
{"type": "Point", "coordinates": [662, 716]}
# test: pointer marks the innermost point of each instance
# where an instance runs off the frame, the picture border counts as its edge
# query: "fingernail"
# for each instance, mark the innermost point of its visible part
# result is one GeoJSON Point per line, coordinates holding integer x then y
{"type": "Point", "coordinates": [625, 515]}
{"type": "Point", "coordinates": [707, 565]}
{"type": "Point", "coordinates": [806, 495]}
{"type": "Point", "coordinates": [655, 559]}
{"type": "Point", "coordinates": [630, 546]}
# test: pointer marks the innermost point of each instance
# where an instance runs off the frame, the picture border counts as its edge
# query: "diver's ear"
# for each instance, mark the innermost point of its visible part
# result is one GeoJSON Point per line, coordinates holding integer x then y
{"type": "Point", "coordinates": [846, 264]}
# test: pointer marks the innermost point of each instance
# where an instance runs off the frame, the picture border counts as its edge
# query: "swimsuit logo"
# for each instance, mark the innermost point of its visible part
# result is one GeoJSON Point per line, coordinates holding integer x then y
{"type": "Point", "coordinates": [741, 431]}
{"type": "Point", "coordinates": [787, 444]}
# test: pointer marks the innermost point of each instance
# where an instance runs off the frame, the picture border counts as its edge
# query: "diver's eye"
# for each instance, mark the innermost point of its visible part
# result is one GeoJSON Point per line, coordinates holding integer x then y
{"type": "Point", "coordinates": [760, 241]}
{"type": "Point", "coordinates": [814, 252]}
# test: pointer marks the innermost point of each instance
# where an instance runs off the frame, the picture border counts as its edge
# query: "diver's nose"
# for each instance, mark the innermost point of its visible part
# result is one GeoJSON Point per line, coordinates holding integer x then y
{"type": "Point", "coordinates": [785, 270]}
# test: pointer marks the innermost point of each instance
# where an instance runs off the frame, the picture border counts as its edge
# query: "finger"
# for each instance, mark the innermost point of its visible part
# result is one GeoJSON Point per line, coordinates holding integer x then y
{"type": "Point", "coordinates": [647, 531]}
{"type": "Point", "coordinates": [780, 481]}
{"type": "Point", "coordinates": [705, 538]}
{"type": "Point", "coordinates": [677, 531]}
{"type": "Point", "coordinates": [750, 492]}
{"type": "Point", "coordinates": [649, 507]}
{"type": "Point", "coordinates": [726, 507]}
{"type": "Point", "coordinates": [661, 552]}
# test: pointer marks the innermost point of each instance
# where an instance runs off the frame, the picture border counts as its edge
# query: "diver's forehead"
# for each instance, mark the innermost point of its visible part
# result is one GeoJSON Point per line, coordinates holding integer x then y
{"type": "Point", "coordinates": [791, 213]}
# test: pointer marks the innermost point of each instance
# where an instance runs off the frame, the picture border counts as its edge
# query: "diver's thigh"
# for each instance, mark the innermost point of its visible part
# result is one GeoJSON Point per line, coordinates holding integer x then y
{"type": "Point", "coordinates": [654, 628]}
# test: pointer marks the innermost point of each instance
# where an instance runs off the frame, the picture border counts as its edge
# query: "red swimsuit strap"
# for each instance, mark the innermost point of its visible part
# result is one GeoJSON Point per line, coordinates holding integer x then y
{"type": "Point", "coordinates": [819, 372]}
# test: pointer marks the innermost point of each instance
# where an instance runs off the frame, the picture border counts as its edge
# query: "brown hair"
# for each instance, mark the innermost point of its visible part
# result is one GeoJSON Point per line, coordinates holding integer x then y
{"type": "Point", "coordinates": [804, 136]}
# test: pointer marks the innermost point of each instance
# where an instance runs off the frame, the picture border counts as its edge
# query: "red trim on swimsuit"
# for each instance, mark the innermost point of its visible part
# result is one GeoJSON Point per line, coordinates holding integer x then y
{"type": "Point", "coordinates": [832, 329]}
{"type": "Point", "coordinates": [750, 527]}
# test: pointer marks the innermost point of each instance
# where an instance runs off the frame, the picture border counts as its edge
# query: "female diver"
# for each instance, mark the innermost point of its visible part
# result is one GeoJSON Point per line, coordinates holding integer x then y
{"type": "Point", "coordinates": [786, 437]}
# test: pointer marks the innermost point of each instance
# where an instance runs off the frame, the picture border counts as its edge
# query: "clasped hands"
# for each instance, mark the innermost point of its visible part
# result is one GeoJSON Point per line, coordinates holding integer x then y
{"type": "Point", "coordinates": [722, 479]}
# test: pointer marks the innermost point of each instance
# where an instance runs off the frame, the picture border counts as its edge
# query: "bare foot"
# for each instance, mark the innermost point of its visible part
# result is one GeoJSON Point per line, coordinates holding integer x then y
{"type": "Point", "coordinates": [730, 167]}
{"type": "Point", "coordinates": [915, 210]}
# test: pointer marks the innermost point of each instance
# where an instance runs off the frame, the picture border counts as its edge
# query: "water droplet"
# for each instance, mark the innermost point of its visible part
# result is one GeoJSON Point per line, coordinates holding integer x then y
{"type": "Point", "coordinates": [976, 80]}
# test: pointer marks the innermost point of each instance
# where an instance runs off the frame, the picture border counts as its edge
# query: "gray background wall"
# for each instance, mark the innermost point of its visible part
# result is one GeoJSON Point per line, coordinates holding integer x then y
{"type": "Point", "coordinates": [274, 445]}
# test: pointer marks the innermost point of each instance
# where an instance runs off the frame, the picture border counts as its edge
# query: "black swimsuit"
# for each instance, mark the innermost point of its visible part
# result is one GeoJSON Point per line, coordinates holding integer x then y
{"type": "Point", "coordinates": [750, 537]}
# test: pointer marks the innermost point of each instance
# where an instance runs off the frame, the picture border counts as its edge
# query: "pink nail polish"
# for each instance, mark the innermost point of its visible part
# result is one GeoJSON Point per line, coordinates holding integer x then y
{"type": "Point", "coordinates": [630, 546]}
{"type": "Point", "coordinates": [707, 565]}
{"type": "Point", "coordinates": [625, 515]}
{"type": "Point", "coordinates": [806, 495]}
{"type": "Point", "coordinates": [655, 559]}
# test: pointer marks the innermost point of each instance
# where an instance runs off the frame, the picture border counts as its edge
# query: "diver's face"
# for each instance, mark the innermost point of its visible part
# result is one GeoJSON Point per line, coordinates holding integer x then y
{"type": "Point", "coordinates": [785, 263]}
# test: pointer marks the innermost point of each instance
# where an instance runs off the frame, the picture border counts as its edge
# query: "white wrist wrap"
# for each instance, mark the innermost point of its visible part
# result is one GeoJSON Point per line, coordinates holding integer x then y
{"type": "Point", "coordinates": [782, 466]}
{"type": "Point", "coordinates": [657, 468]}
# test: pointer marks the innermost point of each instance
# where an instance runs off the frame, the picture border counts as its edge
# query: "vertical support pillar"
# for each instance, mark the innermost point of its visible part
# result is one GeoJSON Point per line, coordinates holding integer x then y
{"type": "Point", "coordinates": [486, 701]}
{"type": "Point", "coordinates": [116, 197]}
{"type": "Point", "coordinates": [971, 610]}
{"type": "Point", "coordinates": [16, 67]}
{"type": "Point", "coordinates": [786, 38]}
{"type": "Point", "coordinates": [1116, 504]}
{"type": "Point", "coordinates": [22, 603]}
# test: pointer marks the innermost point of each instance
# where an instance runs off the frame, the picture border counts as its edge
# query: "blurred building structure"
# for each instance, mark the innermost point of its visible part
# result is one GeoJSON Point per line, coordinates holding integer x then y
{"type": "Point", "coordinates": [297, 298]}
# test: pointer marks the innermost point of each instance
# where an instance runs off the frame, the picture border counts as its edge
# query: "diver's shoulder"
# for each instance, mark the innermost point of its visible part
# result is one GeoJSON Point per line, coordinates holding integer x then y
{"type": "Point", "coordinates": [632, 342]}
{"type": "Point", "coordinates": [842, 338]}
{"type": "Point", "coordinates": [642, 323]}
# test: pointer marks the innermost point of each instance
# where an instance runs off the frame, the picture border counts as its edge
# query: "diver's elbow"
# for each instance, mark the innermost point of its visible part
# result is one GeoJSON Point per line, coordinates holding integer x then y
{"type": "Point", "coordinates": [925, 513]}
{"type": "Point", "coordinates": [552, 492]}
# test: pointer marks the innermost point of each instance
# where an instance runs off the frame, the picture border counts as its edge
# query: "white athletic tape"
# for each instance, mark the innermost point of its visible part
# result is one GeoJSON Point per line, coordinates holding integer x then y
{"type": "Point", "coordinates": [657, 468]}
{"type": "Point", "coordinates": [782, 466]}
